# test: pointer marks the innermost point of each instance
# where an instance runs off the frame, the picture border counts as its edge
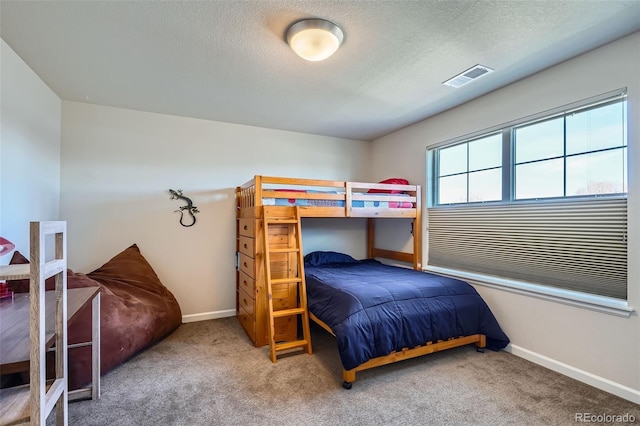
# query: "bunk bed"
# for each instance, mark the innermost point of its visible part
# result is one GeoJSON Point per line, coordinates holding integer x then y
{"type": "Point", "coordinates": [328, 198]}
{"type": "Point", "coordinates": [393, 198]}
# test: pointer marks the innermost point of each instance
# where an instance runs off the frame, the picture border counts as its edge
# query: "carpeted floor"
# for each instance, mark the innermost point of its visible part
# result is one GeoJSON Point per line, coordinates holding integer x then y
{"type": "Point", "coordinates": [208, 373]}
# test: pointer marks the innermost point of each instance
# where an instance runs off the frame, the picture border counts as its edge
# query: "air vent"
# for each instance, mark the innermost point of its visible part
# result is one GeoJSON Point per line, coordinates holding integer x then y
{"type": "Point", "coordinates": [467, 76]}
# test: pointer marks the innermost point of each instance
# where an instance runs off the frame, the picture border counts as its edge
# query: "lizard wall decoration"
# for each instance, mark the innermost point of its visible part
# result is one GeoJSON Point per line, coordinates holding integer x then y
{"type": "Point", "coordinates": [189, 208]}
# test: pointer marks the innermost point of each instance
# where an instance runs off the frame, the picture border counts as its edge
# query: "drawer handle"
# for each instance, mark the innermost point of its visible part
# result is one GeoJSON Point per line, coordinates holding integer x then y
{"type": "Point", "coordinates": [245, 264]}
{"type": "Point", "coordinates": [245, 227]}
{"type": "Point", "coordinates": [245, 245]}
{"type": "Point", "coordinates": [245, 301]}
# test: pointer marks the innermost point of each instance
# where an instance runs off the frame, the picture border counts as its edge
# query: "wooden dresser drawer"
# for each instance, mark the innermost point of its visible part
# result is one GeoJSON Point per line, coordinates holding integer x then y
{"type": "Point", "coordinates": [247, 265]}
{"type": "Point", "coordinates": [247, 303]}
{"type": "Point", "coordinates": [247, 283]}
{"type": "Point", "coordinates": [247, 246]}
{"type": "Point", "coordinates": [248, 324]}
{"type": "Point", "coordinates": [286, 328]}
{"type": "Point", "coordinates": [284, 296]}
{"type": "Point", "coordinates": [246, 227]}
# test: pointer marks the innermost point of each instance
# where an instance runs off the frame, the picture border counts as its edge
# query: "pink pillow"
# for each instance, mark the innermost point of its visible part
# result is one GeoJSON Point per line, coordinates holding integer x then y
{"type": "Point", "coordinates": [392, 181]}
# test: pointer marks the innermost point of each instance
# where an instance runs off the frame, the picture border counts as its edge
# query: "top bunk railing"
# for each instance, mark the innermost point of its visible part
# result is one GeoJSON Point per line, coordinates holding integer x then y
{"type": "Point", "coordinates": [328, 198]}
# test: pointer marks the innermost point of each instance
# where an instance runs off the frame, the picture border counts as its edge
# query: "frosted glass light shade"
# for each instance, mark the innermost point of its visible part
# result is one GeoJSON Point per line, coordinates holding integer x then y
{"type": "Point", "coordinates": [314, 39]}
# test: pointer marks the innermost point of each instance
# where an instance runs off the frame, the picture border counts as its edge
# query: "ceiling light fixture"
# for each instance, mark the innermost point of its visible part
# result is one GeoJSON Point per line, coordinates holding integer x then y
{"type": "Point", "coordinates": [314, 39]}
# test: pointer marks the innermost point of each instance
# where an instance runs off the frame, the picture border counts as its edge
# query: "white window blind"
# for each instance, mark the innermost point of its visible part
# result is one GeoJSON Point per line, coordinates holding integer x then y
{"type": "Point", "coordinates": [571, 244]}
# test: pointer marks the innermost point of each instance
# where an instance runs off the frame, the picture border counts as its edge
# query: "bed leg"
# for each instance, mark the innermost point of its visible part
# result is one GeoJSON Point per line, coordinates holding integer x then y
{"type": "Point", "coordinates": [349, 377]}
{"type": "Point", "coordinates": [481, 343]}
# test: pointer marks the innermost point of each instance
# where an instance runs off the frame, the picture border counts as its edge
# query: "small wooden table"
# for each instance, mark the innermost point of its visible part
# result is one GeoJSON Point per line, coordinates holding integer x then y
{"type": "Point", "coordinates": [15, 341]}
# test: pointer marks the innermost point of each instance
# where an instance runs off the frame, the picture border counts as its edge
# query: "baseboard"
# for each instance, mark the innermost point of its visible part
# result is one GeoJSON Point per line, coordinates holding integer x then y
{"type": "Point", "coordinates": [598, 382]}
{"type": "Point", "coordinates": [208, 315]}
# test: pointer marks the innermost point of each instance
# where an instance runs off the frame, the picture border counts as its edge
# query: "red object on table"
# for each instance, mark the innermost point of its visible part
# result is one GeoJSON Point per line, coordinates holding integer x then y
{"type": "Point", "coordinates": [6, 246]}
{"type": "Point", "coordinates": [4, 291]}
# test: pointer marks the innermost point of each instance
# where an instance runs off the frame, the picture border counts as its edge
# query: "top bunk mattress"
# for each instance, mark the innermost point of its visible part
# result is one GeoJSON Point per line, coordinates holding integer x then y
{"type": "Point", "coordinates": [315, 202]}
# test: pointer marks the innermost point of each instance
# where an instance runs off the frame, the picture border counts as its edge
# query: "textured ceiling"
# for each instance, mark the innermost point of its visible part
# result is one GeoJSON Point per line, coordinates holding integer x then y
{"type": "Point", "coordinates": [228, 61]}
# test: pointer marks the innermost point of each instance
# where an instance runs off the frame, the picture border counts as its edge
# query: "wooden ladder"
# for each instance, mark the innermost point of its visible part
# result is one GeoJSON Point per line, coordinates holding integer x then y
{"type": "Point", "coordinates": [289, 217]}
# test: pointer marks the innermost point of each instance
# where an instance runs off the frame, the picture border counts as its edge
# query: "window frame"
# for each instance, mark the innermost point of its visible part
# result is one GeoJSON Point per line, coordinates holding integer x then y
{"type": "Point", "coordinates": [595, 302]}
{"type": "Point", "coordinates": [565, 154]}
{"type": "Point", "coordinates": [508, 151]}
{"type": "Point", "coordinates": [468, 172]}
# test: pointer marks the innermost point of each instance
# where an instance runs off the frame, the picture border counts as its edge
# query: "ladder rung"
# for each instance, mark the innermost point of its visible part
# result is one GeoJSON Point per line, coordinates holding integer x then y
{"type": "Point", "coordinates": [289, 312]}
{"type": "Point", "coordinates": [284, 250]}
{"type": "Point", "coordinates": [290, 345]}
{"type": "Point", "coordinates": [286, 280]}
{"type": "Point", "coordinates": [276, 220]}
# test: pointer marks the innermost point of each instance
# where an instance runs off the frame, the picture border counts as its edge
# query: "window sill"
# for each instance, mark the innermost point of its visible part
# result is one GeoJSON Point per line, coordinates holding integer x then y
{"type": "Point", "coordinates": [607, 305]}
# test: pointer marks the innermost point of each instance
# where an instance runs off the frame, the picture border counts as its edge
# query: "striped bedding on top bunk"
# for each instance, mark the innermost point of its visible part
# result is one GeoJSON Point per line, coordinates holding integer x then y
{"type": "Point", "coordinates": [336, 203]}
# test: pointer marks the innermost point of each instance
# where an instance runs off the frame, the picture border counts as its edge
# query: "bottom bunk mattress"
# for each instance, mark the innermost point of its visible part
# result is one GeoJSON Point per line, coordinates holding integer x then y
{"type": "Point", "coordinates": [374, 309]}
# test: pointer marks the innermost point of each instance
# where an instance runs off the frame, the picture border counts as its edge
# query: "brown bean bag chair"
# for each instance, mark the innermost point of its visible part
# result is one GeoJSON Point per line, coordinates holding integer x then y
{"type": "Point", "coordinates": [136, 310]}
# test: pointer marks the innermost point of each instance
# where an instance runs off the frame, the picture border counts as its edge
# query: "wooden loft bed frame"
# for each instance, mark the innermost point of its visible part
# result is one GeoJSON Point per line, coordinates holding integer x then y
{"type": "Point", "coordinates": [251, 194]}
{"type": "Point", "coordinates": [349, 376]}
{"type": "Point", "coordinates": [250, 198]}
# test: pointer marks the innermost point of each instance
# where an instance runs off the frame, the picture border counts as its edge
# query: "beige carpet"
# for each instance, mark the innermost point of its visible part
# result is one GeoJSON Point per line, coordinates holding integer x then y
{"type": "Point", "coordinates": [208, 373]}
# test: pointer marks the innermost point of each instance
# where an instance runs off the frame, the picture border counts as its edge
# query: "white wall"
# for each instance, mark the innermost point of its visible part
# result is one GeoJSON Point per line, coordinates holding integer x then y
{"type": "Point", "coordinates": [597, 348]}
{"type": "Point", "coordinates": [30, 115]}
{"type": "Point", "coordinates": [117, 167]}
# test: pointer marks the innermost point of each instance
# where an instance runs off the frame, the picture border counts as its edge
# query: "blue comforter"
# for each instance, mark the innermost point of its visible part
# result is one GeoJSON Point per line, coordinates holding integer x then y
{"type": "Point", "coordinates": [375, 309]}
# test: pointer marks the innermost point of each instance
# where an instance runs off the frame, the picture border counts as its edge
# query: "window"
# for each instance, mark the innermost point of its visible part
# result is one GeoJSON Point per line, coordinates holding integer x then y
{"type": "Point", "coordinates": [471, 171]}
{"type": "Point", "coordinates": [541, 200]}
{"type": "Point", "coordinates": [577, 154]}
